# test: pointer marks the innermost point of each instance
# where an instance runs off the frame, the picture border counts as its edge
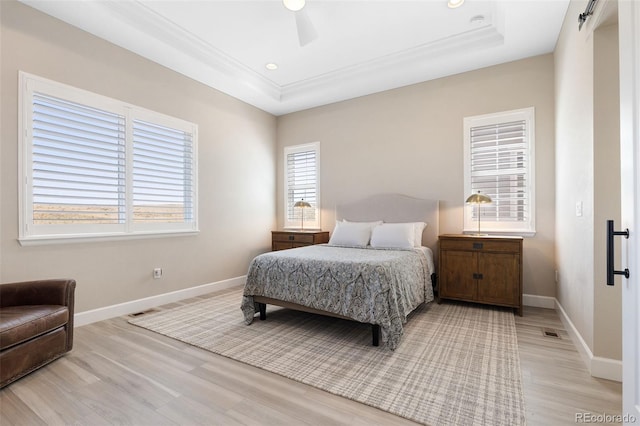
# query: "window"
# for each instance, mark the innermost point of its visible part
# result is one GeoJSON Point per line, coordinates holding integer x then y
{"type": "Point", "coordinates": [499, 162]}
{"type": "Point", "coordinates": [96, 167]}
{"type": "Point", "coordinates": [302, 182]}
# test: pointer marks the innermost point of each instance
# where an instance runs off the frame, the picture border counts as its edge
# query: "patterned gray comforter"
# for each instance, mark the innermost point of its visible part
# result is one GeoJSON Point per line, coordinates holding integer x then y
{"type": "Point", "coordinates": [374, 286]}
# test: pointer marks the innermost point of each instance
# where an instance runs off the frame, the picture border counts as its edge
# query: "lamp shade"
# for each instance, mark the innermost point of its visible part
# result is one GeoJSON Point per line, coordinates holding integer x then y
{"type": "Point", "coordinates": [301, 203]}
{"type": "Point", "coordinates": [478, 199]}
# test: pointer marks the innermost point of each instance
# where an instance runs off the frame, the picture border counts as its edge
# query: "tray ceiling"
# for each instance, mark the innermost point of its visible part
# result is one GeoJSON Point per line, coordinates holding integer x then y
{"type": "Point", "coordinates": [362, 47]}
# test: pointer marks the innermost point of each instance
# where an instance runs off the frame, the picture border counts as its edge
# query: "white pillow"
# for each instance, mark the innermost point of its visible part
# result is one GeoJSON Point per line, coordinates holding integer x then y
{"type": "Point", "coordinates": [394, 235]}
{"type": "Point", "coordinates": [419, 229]}
{"type": "Point", "coordinates": [352, 234]}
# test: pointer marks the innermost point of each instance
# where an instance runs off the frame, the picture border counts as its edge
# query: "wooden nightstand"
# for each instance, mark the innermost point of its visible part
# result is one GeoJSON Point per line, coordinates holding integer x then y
{"type": "Point", "coordinates": [282, 240]}
{"type": "Point", "coordinates": [481, 269]}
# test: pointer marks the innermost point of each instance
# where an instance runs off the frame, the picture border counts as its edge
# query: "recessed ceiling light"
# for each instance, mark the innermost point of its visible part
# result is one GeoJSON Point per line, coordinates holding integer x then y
{"type": "Point", "coordinates": [294, 5]}
{"type": "Point", "coordinates": [454, 3]}
{"type": "Point", "coordinates": [271, 66]}
{"type": "Point", "coordinates": [478, 19]}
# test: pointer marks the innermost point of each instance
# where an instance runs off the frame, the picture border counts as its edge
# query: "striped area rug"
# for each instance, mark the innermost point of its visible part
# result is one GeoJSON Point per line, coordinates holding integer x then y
{"type": "Point", "coordinates": [456, 365]}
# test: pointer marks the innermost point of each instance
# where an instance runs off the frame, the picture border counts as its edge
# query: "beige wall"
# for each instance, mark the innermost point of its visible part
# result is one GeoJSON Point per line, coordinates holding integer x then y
{"type": "Point", "coordinates": [236, 168]}
{"type": "Point", "coordinates": [410, 141]}
{"type": "Point", "coordinates": [587, 170]}
{"type": "Point", "coordinates": [574, 171]}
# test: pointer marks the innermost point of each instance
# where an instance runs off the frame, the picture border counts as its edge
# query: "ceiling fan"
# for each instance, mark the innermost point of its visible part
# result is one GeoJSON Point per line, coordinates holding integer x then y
{"type": "Point", "coordinates": [306, 31]}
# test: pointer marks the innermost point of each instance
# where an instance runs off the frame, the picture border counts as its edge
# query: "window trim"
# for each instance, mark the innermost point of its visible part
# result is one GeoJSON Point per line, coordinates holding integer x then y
{"type": "Point", "coordinates": [528, 228]}
{"type": "Point", "coordinates": [31, 234]}
{"type": "Point", "coordinates": [294, 224]}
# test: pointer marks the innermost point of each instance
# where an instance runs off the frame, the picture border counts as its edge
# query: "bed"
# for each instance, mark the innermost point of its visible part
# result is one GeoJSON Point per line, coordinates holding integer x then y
{"type": "Point", "coordinates": [377, 282]}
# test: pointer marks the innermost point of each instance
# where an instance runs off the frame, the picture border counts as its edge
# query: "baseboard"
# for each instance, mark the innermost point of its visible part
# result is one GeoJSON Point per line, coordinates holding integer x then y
{"type": "Point", "coordinates": [606, 368]}
{"type": "Point", "coordinates": [539, 301]}
{"type": "Point", "coordinates": [603, 368]}
{"type": "Point", "coordinates": [100, 314]}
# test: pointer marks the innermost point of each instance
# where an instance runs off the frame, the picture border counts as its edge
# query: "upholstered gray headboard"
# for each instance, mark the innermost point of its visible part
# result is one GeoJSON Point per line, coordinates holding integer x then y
{"type": "Point", "coordinates": [395, 208]}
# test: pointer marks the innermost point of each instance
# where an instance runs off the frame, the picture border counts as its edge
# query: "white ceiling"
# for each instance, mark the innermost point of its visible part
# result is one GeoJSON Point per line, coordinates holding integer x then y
{"type": "Point", "coordinates": [362, 46]}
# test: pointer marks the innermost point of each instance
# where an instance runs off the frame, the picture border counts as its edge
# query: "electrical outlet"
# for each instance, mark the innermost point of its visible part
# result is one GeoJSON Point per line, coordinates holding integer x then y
{"type": "Point", "coordinates": [557, 276]}
{"type": "Point", "coordinates": [157, 273]}
{"type": "Point", "coordinates": [579, 208]}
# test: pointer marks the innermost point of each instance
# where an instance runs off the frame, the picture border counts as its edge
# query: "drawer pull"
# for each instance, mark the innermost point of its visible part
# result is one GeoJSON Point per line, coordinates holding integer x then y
{"type": "Point", "coordinates": [477, 276]}
{"type": "Point", "coordinates": [477, 246]}
{"type": "Point", "coordinates": [291, 237]}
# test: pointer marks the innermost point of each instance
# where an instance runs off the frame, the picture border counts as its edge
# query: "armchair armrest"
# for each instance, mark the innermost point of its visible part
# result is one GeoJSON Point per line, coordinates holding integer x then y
{"type": "Point", "coordinates": [41, 292]}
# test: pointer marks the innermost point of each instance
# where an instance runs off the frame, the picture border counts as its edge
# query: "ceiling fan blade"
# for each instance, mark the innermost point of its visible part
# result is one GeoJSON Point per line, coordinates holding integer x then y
{"type": "Point", "coordinates": [306, 31]}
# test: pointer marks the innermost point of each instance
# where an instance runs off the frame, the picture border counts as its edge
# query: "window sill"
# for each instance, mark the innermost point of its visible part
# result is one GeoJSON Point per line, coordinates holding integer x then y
{"type": "Point", "coordinates": [91, 238]}
{"type": "Point", "coordinates": [491, 232]}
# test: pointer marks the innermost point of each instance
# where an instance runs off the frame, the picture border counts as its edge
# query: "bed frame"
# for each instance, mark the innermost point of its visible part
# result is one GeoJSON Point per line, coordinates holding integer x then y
{"type": "Point", "coordinates": [388, 208]}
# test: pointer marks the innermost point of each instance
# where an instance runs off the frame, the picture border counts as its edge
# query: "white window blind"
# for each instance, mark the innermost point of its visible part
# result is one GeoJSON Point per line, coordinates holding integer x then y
{"type": "Point", "coordinates": [96, 167]}
{"type": "Point", "coordinates": [302, 169]}
{"type": "Point", "coordinates": [78, 163]}
{"type": "Point", "coordinates": [162, 174]}
{"type": "Point", "coordinates": [499, 163]}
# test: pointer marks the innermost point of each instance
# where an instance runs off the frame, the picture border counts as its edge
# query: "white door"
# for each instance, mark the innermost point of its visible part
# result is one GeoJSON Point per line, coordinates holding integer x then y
{"type": "Point", "coordinates": [629, 30]}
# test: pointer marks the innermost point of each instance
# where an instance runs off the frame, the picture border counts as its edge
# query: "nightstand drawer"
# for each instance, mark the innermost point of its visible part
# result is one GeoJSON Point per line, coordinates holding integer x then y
{"type": "Point", "coordinates": [500, 246]}
{"type": "Point", "coordinates": [293, 237]}
{"type": "Point", "coordinates": [283, 240]}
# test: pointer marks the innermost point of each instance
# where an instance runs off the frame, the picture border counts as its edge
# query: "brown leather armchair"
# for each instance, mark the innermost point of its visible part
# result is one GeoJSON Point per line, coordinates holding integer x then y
{"type": "Point", "coordinates": [36, 325]}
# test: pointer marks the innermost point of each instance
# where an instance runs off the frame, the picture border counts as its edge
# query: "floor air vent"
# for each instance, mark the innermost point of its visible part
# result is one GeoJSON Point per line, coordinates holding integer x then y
{"type": "Point", "coordinates": [137, 314]}
{"type": "Point", "coordinates": [548, 332]}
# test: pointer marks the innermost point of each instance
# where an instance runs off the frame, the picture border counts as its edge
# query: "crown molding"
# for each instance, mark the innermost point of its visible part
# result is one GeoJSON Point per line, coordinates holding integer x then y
{"type": "Point", "coordinates": [159, 28]}
{"type": "Point", "coordinates": [418, 58]}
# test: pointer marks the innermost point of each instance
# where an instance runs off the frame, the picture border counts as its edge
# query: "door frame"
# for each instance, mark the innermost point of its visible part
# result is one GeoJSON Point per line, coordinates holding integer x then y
{"type": "Point", "coordinates": [629, 39]}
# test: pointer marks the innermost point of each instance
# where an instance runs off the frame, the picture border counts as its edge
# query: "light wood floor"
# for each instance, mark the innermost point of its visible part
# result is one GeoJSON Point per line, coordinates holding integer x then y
{"type": "Point", "coordinates": [122, 374]}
